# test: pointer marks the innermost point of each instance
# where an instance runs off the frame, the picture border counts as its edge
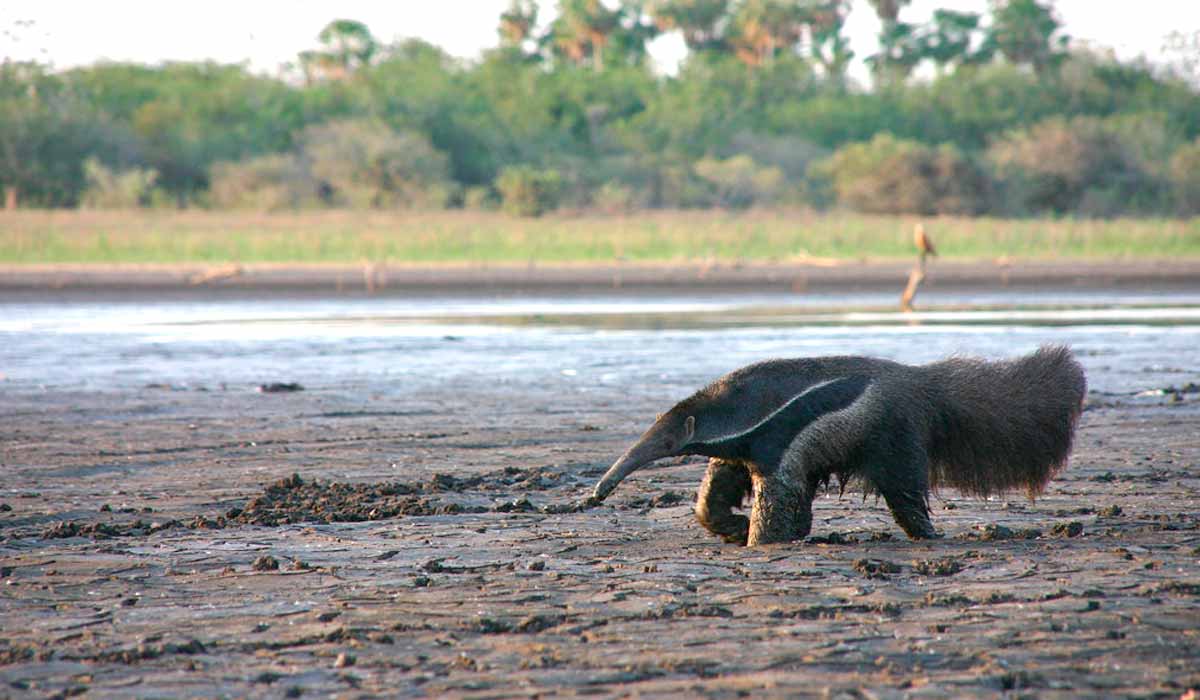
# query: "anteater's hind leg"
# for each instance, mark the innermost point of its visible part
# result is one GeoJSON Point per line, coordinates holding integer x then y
{"type": "Point", "coordinates": [904, 485]}
{"type": "Point", "coordinates": [895, 464]}
{"type": "Point", "coordinates": [725, 487]}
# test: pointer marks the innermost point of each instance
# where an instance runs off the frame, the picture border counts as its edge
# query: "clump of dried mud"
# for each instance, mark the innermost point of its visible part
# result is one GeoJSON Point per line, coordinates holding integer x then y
{"type": "Point", "coordinates": [297, 500]}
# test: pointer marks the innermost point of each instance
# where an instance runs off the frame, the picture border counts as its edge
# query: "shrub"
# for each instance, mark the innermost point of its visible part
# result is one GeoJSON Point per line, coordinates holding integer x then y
{"type": "Point", "coordinates": [1081, 165]}
{"type": "Point", "coordinates": [614, 197]}
{"type": "Point", "coordinates": [792, 155]}
{"type": "Point", "coordinates": [479, 199]}
{"type": "Point", "coordinates": [1185, 178]}
{"type": "Point", "coordinates": [887, 175]}
{"type": "Point", "coordinates": [677, 186]}
{"type": "Point", "coordinates": [961, 188]}
{"type": "Point", "coordinates": [266, 183]}
{"type": "Point", "coordinates": [108, 189]}
{"type": "Point", "coordinates": [1148, 138]}
{"type": "Point", "coordinates": [740, 182]}
{"type": "Point", "coordinates": [612, 182]}
{"type": "Point", "coordinates": [364, 163]}
{"type": "Point", "coordinates": [575, 180]}
{"type": "Point", "coordinates": [527, 191]}
{"type": "Point", "coordinates": [437, 195]}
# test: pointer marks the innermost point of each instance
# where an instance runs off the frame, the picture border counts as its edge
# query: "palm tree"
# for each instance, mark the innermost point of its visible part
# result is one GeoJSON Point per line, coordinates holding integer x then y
{"type": "Point", "coordinates": [899, 50]}
{"type": "Point", "coordinates": [828, 46]}
{"type": "Point", "coordinates": [702, 22]}
{"type": "Point", "coordinates": [583, 29]}
{"type": "Point", "coordinates": [889, 10]}
{"type": "Point", "coordinates": [517, 23]}
{"type": "Point", "coordinates": [950, 39]}
{"type": "Point", "coordinates": [1023, 32]}
{"type": "Point", "coordinates": [762, 28]}
{"type": "Point", "coordinates": [349, 46]}
{"type": "Point", "coordinates": [627, 43]}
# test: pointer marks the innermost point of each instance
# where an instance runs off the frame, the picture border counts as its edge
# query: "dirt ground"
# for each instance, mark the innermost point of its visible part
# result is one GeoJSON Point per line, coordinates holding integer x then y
{"type": "Point", "coordinates": [191, 541]}
{"type": "Point", "coordinates": [175, 543]}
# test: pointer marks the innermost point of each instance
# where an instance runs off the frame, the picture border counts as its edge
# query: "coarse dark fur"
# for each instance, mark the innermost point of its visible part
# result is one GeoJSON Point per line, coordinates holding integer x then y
{"type": "Point", "coordinates": [777, 430]}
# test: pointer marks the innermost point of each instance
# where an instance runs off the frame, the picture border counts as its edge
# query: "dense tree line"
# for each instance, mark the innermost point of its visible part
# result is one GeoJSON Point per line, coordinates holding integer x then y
{"type": "Point", "coordinates": [966, 114]}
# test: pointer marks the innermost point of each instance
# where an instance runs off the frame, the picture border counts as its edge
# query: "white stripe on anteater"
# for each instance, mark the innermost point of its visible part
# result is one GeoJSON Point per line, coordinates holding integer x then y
{"type": "Point", "coordinates": [770, 417]}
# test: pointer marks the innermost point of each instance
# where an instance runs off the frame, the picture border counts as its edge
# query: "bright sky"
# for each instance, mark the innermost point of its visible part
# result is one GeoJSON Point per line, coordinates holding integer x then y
{"type": "Point", "coordinates": [269, 33]}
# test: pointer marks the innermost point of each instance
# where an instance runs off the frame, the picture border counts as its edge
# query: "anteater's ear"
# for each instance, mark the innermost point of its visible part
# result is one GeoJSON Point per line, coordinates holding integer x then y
{"type": "Point", "coordinates": [689, 429]}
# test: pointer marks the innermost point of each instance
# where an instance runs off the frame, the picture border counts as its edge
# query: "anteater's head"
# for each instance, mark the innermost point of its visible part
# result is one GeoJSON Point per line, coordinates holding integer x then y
{"type": "Point", "coordinates": [724, 407]}
{"type": "Point", "coordinates": [670, 436]}
{"type": "Point", "coordinates": [767, 403]}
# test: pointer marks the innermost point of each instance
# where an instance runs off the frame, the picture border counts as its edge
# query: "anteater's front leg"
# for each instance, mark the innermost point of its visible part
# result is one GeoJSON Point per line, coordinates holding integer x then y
{"type": "Point", "coordinates": [725, 487]}
{"type": "Point", "coordinates": [781, 509]}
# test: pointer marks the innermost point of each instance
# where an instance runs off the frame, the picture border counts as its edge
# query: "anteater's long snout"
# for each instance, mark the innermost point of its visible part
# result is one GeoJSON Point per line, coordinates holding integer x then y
{"type": "Point", "coordinates": [634, 458]}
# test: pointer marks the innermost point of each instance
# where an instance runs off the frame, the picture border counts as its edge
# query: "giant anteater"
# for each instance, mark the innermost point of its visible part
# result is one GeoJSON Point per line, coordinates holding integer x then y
{"type": "Point", "coordinates": [777, 430]}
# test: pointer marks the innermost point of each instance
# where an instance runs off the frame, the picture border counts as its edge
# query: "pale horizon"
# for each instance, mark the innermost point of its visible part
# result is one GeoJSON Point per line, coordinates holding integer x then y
{"type": "Point", "coordinates": [67, 34]}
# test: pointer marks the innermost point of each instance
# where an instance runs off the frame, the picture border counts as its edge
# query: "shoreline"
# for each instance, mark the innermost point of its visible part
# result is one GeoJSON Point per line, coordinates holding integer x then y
{"type": "Point", "coordinates": [377, 278]}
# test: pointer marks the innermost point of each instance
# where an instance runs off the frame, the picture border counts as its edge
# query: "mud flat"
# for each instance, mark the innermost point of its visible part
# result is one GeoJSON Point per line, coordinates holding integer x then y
{"type": "Point", "coordinates": [820, 275]}
{"type": "Point", "coordinates": [180, 542]}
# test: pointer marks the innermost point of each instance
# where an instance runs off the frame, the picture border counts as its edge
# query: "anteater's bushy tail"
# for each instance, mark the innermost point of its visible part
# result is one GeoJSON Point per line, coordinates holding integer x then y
{"type": "Point", "coordinates": [1004, 425]}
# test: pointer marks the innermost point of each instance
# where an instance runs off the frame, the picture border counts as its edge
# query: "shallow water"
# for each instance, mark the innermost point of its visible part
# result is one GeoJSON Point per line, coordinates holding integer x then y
{"type": "Point", "coordinates": [660, 345]}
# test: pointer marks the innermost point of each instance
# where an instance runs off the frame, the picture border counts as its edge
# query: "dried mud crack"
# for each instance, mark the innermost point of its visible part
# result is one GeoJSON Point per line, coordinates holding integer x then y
{"type": "Point", "coordinates": [296, 569]}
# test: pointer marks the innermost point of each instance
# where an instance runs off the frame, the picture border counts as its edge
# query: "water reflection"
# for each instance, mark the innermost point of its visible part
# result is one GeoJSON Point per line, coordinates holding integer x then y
{"type": "Point", "coordinates": [663, 344]}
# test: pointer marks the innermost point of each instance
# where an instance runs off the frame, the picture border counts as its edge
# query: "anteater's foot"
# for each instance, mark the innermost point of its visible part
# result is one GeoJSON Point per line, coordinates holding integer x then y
{"type": "Point", "coordinates": [930, 535]}
{"type": "Point", "coordinates": [738, 532]}
{"type": "Point", "coordinates": [734, 529]}
{"type": "Point", "coordinates": [911, 511]}
{"type": "Point", "coordinates": [725, 487]}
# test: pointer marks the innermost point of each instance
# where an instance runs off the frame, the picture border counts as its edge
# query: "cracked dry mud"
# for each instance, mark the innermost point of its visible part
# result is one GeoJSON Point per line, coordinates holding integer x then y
{"type": "Point", "coordinates": [231, 543]}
